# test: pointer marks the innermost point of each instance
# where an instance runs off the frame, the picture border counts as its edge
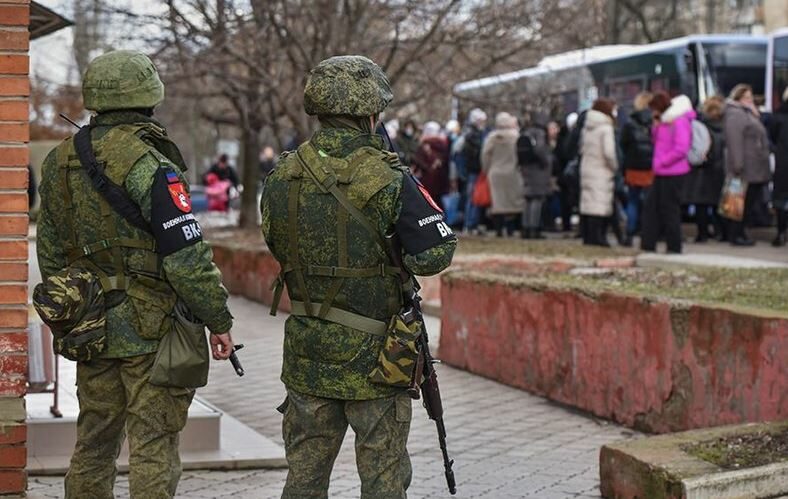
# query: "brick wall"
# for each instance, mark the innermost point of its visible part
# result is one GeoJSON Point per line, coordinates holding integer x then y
{"type": "Point", "coordinates": [14, 134]}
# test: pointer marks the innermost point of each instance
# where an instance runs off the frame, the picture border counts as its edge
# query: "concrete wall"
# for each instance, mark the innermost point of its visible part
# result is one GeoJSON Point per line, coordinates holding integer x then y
{"type": "Point", "coordinates": [14, 157]}
{"type": "Point", "coordinates": [250, 272]}
{"type": "Point", "coordinates": [647, 364]}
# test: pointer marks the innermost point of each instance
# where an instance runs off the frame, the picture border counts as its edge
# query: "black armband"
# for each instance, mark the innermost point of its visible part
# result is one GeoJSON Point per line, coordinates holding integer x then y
{"type": "Point", "coordinates": [172, 222]}
{"type": "Point", "coordinates": [420, 225]}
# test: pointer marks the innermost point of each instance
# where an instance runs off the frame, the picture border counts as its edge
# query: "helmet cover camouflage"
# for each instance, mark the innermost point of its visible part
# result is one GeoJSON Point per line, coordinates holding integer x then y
{"type": "Point", "coordinates": [347, 85]}
{"type": "Point", "coordinates": [71, 302]}
{"type": "Point", "coordinates": [121, 79]}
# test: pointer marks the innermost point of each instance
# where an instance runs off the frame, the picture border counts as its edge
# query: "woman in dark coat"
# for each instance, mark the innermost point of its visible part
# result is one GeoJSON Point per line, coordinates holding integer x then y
{"type": "Point", "coordinates": [535, 160]}
{"type": "Point", "coordinates": [431, 161]}
{"type": "Point", "coordinates": [704, 182]}
{"type": "Point", "coordinates": [778, 132]}
{"type": "Point", "coordinates": [638, 150]}
{"type": "Point", "coordinates": [746, 155]}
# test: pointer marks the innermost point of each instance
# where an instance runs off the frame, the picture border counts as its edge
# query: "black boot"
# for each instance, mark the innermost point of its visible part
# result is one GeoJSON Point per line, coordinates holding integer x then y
{"type": "Point", "coordinates": [782, 227]}
{"type": "Point", "coordinates": [526, 233]}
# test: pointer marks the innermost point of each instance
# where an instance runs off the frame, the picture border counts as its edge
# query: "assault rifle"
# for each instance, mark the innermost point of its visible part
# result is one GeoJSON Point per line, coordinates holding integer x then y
{"type": "Point", "coordinates": [425, 378]}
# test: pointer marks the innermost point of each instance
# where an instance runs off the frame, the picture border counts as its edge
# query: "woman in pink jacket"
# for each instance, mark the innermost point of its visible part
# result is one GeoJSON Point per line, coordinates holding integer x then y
{"type": "Point", "coordinates": [672, 136]}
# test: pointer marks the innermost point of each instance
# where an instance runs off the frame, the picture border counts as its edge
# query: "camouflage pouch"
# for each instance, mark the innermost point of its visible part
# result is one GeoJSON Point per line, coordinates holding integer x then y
{"type": "Point", "coordinates": [153, 301]}
{"type": "Point", "coordinates": [398, 355]}
{"type": "Point", "coordinates": [182, 360]}
{"type": "Point", "coordinates": [71, 302]}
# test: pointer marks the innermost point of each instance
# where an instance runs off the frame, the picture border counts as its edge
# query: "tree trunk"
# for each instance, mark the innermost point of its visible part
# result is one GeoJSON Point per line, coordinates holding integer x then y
{"type": "Point", "coordinates": [250, 142]}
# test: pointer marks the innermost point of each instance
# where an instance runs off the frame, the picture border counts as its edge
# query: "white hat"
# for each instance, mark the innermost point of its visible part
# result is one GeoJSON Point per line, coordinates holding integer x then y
{"type": "Point", "coordinates": [571, 120]}
{"type": "Point", "coordinates": [477, 116]}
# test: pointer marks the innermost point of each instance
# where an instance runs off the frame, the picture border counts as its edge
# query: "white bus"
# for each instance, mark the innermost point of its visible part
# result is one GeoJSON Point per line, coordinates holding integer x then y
{"type": "Point", "coordinates": [698, 66]}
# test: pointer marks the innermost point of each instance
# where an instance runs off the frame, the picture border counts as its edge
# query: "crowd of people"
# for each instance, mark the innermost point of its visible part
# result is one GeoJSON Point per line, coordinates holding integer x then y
{"type": "Point", "coordinates": [667, 162]}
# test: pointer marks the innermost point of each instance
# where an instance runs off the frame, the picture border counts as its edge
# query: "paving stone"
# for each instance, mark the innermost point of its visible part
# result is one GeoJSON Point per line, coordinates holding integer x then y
{"type": "Point", "coordinates": [506, 442]}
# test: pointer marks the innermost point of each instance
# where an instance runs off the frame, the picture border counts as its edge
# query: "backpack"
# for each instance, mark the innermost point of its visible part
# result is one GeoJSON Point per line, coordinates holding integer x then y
{"type": "Point", "coordinates": [526, 150]}
{"type": "Point", "coordinates": [701, 144]}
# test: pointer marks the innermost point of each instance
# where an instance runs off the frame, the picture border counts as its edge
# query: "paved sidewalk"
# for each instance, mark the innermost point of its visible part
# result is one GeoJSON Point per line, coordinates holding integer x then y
{"type": "Point", "coordinates": [506, 443]}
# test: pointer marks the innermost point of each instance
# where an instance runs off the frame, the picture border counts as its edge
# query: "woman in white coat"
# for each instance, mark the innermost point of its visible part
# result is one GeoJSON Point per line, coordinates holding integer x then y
{"type": "Point", "coordinates": [598, 168]}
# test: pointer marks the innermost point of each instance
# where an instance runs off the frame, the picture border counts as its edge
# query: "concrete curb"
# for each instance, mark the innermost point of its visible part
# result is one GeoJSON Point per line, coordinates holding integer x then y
{"type": "Point", "coordinates": [658, 468]}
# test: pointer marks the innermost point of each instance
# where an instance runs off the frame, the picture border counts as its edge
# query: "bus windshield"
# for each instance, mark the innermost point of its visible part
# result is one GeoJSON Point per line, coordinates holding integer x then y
{"type": "Point", "coordinates": [734, 63]}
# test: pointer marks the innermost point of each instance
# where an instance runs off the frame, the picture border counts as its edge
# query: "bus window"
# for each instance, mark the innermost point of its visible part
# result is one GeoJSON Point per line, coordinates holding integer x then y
{"type": "Point", "coordinates": [734, 63]}
{"type": "Point", "coordinates": [780, 70]}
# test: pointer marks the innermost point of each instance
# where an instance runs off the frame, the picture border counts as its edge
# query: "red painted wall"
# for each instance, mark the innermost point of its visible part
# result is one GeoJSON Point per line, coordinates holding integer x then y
{"type": "Point", "coordinates": [649, 365]}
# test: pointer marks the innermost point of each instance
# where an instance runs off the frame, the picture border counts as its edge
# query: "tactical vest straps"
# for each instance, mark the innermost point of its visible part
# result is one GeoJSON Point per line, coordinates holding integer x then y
{"type": "Point", "coordinates": [108, 167]}
{"type": "Point", "coordinates": [318, 168]}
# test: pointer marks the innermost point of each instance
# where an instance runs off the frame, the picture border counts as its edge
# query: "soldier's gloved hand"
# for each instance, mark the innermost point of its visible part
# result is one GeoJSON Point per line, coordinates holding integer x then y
{"type": "Point", "coordinates": [221, 346]}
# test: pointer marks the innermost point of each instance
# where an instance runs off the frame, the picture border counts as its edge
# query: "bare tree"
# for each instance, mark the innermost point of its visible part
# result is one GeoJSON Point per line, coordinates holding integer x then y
{"type": "Point", "coordinates": [245, 63]}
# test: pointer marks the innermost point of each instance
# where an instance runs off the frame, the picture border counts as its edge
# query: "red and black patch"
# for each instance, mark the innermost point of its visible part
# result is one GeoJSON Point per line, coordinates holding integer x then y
{"type": "Point", "coordinates": [180, 197]}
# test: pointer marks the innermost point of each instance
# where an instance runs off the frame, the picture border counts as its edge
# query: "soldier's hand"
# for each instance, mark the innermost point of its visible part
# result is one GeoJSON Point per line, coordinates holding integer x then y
{"type": "Point", "coordinates": [221, 346]}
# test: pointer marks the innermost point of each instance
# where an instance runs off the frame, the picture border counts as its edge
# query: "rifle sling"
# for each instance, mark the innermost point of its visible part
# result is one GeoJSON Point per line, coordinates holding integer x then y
{"type": "Point", "coordinates": [115, 195]}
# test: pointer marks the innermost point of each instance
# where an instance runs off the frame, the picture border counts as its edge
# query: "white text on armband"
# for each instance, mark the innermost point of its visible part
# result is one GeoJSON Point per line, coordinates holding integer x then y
{"type": "Point", "coordinates": [177, 221]}
{"type": "Point", "coordinates": [430, 219]}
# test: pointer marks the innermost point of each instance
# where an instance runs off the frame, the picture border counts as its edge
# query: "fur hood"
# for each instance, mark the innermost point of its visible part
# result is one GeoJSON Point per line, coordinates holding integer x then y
{"type": "Point", "coordinates": [596, 119]}
{"type": "Point", "coordinates": [679, 106]}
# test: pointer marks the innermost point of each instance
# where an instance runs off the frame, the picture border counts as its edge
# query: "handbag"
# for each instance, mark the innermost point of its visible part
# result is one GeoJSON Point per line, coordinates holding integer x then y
{"type": "Point", "coordinates": [182, 360]}
{"type": "Point", "coordinates": [481, 195]}
{"type": "Point", "coordinates": [732, 199]}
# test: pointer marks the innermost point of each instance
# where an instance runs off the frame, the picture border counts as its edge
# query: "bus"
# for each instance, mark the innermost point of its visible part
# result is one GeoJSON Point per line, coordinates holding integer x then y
{"type": "Point", "coordinates": [777, 69]}
{"type": "Point", "coordinates": [698, 66]}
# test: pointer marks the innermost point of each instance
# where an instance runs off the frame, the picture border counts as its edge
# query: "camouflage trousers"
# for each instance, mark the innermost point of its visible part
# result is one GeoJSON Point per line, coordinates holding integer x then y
{"type": "Point", "coordinates": [115, 398]}
{"type": "Point", "coordinates": [313, 429]}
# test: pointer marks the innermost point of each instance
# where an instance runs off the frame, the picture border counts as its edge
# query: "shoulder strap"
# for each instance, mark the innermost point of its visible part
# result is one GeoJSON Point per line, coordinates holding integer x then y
{"type": "Point", "coordinates": [115, 195]}
{"type": "Point", "coordinates": [330, 185]}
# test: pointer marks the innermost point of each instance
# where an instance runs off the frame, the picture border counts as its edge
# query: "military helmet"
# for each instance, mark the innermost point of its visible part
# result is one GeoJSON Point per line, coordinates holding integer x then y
{"type": "Point", "coordinates": [350, 85]}
{"type": "Point", "coordinates": [121, 79]}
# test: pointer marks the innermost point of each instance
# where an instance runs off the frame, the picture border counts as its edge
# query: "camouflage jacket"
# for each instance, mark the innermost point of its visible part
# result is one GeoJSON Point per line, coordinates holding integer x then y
{"type": "Point", "coordinates": [321, 357]}
{"type": "Point", "coordinates": [187, 271]}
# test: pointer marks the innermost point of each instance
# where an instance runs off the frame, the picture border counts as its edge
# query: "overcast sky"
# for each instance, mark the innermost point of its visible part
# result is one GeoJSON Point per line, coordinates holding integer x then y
{"type": "Point", "coordinates": [51, 56]}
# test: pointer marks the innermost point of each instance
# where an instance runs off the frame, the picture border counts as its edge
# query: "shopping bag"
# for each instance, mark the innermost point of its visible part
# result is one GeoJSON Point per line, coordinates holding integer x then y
{"type": "Point", "coordinates": [451, 207]}
{"type": "Point", "coordinates": [481, 192]}
{"type": "Point", "coordinates": [732, 199]}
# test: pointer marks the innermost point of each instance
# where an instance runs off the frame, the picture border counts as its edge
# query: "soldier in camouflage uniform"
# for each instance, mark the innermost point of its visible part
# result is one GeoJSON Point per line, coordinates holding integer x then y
{"type": "Point", "coordinates": [142, 275]}
{"type": "Point", "coordinates": [342, 285]}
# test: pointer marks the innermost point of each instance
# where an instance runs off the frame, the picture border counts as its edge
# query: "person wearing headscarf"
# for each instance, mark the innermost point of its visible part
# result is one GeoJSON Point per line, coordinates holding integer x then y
{"type": "Point", "coordinates": [499, 163]}
{"type": "Point", "coordinates": [431, 161]}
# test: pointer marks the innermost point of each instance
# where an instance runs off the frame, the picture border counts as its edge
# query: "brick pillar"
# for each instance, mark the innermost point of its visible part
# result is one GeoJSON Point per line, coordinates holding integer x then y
{"type": "Point", "coordinates": [14, 157]}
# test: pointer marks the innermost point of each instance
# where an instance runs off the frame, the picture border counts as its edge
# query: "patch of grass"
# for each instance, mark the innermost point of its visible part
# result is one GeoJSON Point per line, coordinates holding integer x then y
{"type": "Point", "coordinates": [567, 248]}
{"type": "Point", "coordinates": [742, 451]}
{"type": "Point", "coordinates": [754, 289]}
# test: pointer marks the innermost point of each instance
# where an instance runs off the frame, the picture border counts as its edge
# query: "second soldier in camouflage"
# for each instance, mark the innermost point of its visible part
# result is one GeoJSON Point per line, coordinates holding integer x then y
{"type": "Point", "coordinates": [343, 286]}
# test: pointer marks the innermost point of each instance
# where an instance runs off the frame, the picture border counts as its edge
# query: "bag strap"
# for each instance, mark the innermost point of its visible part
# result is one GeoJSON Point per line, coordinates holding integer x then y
{"type": "Point", "coordinates": [115, 195]}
